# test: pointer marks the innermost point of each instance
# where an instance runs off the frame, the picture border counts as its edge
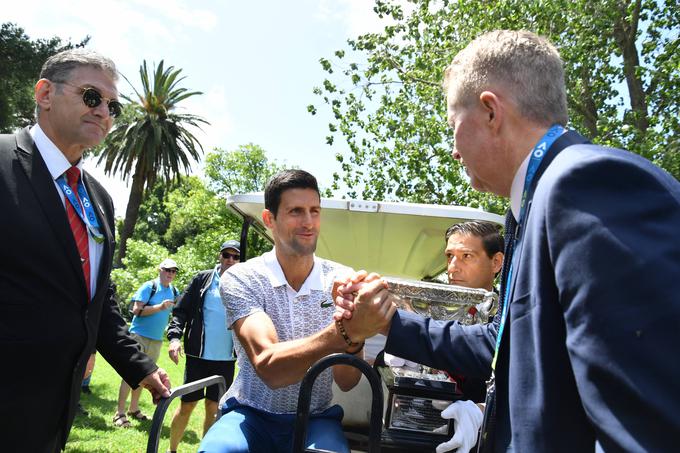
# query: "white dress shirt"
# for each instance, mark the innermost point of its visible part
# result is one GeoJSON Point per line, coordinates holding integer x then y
{"type": "Point", "coordinates": [57, 164]}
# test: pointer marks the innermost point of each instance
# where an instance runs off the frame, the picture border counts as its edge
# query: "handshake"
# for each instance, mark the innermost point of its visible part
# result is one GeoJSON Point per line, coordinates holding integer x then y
{"type": "Point", "coordinates": [363, 305]}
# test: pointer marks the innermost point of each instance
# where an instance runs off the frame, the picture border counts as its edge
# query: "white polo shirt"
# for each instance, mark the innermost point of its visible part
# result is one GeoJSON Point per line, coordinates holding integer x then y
{"type": "Point", "coordinates": [260, 285]}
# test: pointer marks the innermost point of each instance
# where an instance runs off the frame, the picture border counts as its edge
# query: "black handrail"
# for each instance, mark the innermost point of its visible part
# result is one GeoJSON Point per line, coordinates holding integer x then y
{"type": "Point", "coordinates": [164, 403]}
{"type": "Point", "coordinates": [305, 398]}
{"type": "Point", "coordinates": [247, 221]}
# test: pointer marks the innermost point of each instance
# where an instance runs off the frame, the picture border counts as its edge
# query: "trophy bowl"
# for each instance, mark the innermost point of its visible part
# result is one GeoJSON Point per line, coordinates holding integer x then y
{"type": "Point", "coordinates": [444, 302]}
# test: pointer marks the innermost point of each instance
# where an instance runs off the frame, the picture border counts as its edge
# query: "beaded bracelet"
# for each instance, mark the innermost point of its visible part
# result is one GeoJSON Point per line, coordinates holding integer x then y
{"type": "Point", "coordinates": [343, 332]}
{"type": "Point", "coordinates": [361, 346]}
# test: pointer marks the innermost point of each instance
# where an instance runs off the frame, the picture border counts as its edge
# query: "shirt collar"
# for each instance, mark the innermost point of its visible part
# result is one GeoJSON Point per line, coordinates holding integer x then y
{"type": "Point", "coordinates": [518, 187]}
{"type": "Point", "coordinates": [277, 277]}
{"type": "Point", "coordinates": [56, 162]}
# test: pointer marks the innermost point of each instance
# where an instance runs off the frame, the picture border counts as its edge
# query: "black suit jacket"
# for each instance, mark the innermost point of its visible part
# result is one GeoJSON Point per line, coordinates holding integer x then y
{"type": "Point", "coordinates": [589, 358]}
{"type": "Point", "coordinates": [47, 326]}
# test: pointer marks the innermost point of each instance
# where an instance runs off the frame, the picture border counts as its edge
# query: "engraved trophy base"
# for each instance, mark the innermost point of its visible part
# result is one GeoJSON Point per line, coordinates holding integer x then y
{"type": "Point", "coordinates": [414, 404]}
{"type": "Point", "coordinates": [417, 396]}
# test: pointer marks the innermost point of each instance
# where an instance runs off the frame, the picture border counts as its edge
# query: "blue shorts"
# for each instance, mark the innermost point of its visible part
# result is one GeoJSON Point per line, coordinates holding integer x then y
{"type": "Point", "coordinates": [243, 429]}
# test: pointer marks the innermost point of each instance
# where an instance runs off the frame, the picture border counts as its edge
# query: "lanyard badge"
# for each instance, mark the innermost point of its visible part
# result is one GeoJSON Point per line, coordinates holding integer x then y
{"type": "Point", "coordinates": [537, 154]}
{"type": "Point", "coordinates": [82, 199]}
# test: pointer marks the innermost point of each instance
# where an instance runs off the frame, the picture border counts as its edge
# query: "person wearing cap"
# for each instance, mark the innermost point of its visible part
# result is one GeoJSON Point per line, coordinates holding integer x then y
{"type": "Point", "coordinates": [208, 345]}
{"type": "Point", "coordinates": [152, 304]}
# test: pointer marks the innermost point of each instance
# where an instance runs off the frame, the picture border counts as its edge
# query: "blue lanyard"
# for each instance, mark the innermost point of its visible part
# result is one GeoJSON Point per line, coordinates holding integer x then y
{"type": "Point", "coordinates": [89, 218]}
{"type": "Point", "coordinates": [537, 155]}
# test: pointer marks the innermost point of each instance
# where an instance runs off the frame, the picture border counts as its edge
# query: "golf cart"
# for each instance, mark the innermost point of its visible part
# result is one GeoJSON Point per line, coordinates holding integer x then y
{"type": "Point", "coordinates": [405, 242]}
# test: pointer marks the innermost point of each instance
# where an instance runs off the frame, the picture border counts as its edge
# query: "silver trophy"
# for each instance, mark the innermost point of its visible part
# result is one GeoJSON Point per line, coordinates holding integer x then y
{"type": "Point", "coordinates": [417, 394]}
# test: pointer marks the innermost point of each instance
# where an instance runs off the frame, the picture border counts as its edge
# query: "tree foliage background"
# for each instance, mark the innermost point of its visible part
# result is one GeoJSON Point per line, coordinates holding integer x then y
{"type": "Point", "coordinates": [151, 140]}
{"type": "Point", "coordinates": [622, 66]}
{"type": "Point", "coordinates": [190, 221]}
{"type": "Point", "coordinates": [20, 62]}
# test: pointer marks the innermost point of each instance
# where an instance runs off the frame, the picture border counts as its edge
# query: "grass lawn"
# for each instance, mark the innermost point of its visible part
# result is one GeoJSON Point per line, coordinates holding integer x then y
{"type": "Point", "coordinates": [96, 433]}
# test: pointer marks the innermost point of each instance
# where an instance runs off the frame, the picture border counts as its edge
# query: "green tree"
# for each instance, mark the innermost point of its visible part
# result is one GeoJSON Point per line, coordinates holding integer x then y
{"type": "Point", "coordinates": [153, 218]}
{"type": "Point", "coordinates": [188, 221]}
{"type": "Point", "coordinates": [152, 140]}
{"type": "Point", "coordinates": [622, 71]}
{"type": "Point", "coordinates": [22, 59]}
{"type": "Point", "coordinates": [195, 210]}
{"type": "Point", "coordinates": [141, 265]}
{"type": "Point", "coordinates": [245, 169]}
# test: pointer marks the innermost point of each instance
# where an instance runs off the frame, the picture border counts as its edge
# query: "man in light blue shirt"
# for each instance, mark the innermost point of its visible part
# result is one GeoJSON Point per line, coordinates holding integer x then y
{"type": "Point", "coordinates": [152, 304]}
{"type": "Point", "coordinates": [201, 317]}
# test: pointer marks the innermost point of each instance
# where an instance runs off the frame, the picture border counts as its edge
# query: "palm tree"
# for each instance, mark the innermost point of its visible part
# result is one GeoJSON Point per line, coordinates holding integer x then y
{"type": "Point", "coordinates": [151, 140]}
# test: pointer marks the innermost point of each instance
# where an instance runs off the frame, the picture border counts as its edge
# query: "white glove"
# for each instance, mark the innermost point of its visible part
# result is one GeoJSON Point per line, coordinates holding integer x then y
{"type": "Point", "coordinates": [393, 360]}
{"type": "Point", "coordinates": [467, 419]}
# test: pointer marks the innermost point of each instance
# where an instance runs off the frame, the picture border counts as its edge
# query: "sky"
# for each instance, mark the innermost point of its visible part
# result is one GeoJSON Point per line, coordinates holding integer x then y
{"type": "Point", "coordinates": [255, 61]}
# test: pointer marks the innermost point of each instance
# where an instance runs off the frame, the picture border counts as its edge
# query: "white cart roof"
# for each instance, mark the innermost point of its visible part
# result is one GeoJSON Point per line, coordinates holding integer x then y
{"type": "Point", "coordinates": [396, 239]}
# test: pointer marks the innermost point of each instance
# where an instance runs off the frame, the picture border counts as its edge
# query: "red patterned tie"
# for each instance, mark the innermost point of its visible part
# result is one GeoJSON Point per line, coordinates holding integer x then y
{"type": "Point", "coordinates": [78, 227]}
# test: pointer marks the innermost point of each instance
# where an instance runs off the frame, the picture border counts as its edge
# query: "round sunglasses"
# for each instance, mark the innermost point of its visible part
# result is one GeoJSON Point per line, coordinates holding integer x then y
{"type": "Point", "coordinates": [93, 98]}
{"type": "Point", "coordinates": [233, 256]}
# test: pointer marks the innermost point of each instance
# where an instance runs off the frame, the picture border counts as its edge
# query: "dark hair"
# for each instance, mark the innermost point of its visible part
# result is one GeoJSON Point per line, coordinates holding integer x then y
{"type": "Point", "coordinates": [488, 232]}
{"type": "Point", "coordinates": [285, 180]}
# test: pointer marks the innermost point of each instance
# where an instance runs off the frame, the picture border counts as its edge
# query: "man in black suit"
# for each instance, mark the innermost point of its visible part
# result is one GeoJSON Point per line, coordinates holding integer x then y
{"type": "Point", "coordinates": [57, 229]}
{"type": "Point", "coordinates": [584, 350]}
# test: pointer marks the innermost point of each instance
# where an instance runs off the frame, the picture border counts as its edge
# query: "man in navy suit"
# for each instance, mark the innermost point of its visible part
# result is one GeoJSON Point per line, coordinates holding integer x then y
{"type": "Point", "coordinates": [584, 350]}
{"type": "Point", "coordinates": [57, 226]}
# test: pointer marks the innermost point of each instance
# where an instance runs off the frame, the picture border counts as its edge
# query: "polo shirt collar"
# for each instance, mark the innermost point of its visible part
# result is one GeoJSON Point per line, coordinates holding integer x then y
{"type": "Point", "coordinates": [314, 281]}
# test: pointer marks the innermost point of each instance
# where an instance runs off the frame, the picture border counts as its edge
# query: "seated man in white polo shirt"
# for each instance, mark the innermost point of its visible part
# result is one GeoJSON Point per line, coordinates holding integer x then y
{"type": "Point", "coordinates": [280, 308]}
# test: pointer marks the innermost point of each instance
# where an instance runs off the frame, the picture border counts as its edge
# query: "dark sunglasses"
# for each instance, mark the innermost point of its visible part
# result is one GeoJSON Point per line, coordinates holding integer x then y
{"type": "Point", "coordinates": [93, 98]}
{"type": "Point", "coordinates": [234, 256]}
{"type": "Point", "coordinates": [170, 271]}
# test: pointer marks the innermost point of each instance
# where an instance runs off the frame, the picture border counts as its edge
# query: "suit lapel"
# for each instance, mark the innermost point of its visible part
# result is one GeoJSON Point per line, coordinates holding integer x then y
{"type": "Point", "coordinates": [104, 264]}
{"type": "Point", "coordinates": [42, 184]}
{"type": "Point", "coordinates": [567, 139]}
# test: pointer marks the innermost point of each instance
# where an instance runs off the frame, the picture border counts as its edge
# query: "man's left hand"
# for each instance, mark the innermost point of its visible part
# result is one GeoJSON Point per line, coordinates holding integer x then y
{"type": "Point", "coordinates": [158, 383]}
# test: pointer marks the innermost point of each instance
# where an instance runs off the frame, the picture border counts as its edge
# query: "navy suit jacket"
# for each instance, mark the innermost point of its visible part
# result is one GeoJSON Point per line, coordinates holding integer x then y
{"type": "Point", "coordinates": [589, 355]}
{"type": "Point", "coordinates": [48, 328]}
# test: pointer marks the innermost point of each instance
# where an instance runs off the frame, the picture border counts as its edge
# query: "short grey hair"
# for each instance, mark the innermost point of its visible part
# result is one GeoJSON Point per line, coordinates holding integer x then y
{"type": "Point", "coordinates": [526, 66]}
{"type": "Point", "coordinates": [58, 67]}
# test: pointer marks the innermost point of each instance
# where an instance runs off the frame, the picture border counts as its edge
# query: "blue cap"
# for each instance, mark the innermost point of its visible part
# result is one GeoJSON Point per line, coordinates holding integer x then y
{"type": "Point", "coordinates": [231, 245]}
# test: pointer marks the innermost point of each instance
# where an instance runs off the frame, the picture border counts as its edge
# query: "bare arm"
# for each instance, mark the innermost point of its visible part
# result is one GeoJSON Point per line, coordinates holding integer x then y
{"type": "Point", "coordinates": [140, 309]}
{"type": "Point", "coordinates": [347, 376]}
{"type": "Point", "coordinates": [284, 363]}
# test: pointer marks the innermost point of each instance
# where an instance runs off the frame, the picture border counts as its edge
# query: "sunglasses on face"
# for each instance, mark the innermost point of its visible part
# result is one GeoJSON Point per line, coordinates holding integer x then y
{"type": "Point", "coordinates": [93, 98]}
{"type": "Point", "coordinates": [170, 271]}
{"type": "Point", "coordinates": [233, 256]}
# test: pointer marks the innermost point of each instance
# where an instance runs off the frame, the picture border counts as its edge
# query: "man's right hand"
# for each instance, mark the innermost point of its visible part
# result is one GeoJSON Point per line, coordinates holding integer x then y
{"type": "Point", "coordinates": [175, 350]}
{"type": "Point", "coordinates": [372, 311]}
{"type": "Point", "coordinates": [167, 304]}
{"type": "Point", "coordinates": [345, 291]}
